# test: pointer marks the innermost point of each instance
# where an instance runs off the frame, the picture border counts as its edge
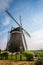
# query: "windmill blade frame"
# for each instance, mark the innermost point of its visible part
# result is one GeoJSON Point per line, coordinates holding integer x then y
{"type": "Point", "coordinates": [25, 41]}
{"type": "Point", "coordinates": [22, 34]}
{"type": "Point", "coordinates": [26, 32]}
{"type": "Point", "coordinates": [17, 22]}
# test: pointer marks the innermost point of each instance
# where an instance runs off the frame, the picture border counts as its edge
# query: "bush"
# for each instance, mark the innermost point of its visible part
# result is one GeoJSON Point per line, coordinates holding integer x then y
{"type": "Point", "coordinates": [40, 55]}
{"type": "Point", "coordinates": [29, 56]}
{"type": "Point", "coordinates": [25, 56]}
{"type": "Point", "coordinates": [4, 55]}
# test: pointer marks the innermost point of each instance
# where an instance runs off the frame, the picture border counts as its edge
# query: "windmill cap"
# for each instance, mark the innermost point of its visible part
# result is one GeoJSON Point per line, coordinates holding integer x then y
{"type": "Point", "coordinates": [15, 29]}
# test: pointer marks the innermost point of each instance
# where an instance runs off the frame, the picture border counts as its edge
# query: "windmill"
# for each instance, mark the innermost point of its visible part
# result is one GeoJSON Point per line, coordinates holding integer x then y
{"type": "Point", "coordinates": [16, 37]}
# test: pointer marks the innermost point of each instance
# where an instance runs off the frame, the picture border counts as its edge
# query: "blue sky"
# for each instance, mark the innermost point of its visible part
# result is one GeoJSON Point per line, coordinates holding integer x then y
{"type": "Point", "coordinates": [31, 12]}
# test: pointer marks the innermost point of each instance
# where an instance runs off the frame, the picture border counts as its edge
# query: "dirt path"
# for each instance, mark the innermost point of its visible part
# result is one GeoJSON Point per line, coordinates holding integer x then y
{"type": "Point", "coordinates": [5, 62]}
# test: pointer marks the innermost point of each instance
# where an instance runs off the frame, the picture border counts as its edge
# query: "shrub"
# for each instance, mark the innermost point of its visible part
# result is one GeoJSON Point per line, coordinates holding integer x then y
{"type": "Point", "coordinates": [40, 55]}
{"type": "Point", "coordinates": [29, 56]}
{"type": "Point", "coordinates": [4, 55]}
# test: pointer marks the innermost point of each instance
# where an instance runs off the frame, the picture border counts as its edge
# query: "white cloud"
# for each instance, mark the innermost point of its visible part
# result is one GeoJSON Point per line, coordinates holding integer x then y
{"type": "Point", "coordinates": [6, 30]}
{"type": "Point", "coordinates": [36, 41]}
{"type": "Point", "coordinates": [2, 32]}
{"type": "Point", "coordinates": [3, 40]}
{"type": "Point", "coordinates": [3, 43]}
{"type": "Point", "coordinates": [6, 21]}
{"type": "Point", "coordinates": [4, 4]}
{"type": "Point", "coordinates": [38, 19]}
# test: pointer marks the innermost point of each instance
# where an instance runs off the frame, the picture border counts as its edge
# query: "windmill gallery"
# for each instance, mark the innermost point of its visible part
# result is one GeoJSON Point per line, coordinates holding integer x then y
{"type": "Point", "coordinates": [17, 41]}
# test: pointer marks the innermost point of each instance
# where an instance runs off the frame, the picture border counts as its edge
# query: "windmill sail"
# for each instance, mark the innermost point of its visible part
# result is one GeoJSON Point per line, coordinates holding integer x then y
{"type": "Point", "coordinates": [22, 35]}
{"type": "Point", "coordinates": [25, 41]}
{"type": "Point", "coordinates": [15, 43]}
{"type": "Point", "coordinates": [17, 23]}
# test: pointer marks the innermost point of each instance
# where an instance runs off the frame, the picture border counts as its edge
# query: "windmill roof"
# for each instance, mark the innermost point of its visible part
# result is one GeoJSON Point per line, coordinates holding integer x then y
{"type": "Point", "coordinates": [15, 29]}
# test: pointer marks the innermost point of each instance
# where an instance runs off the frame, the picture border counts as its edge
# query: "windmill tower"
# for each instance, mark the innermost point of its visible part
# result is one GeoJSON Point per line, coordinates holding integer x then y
{"type": "Point", "coordinates": [17, 40]}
